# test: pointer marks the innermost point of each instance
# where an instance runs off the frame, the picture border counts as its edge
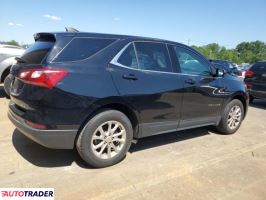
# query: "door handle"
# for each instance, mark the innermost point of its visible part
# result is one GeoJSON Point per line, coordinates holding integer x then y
{"type": "Point", "coordinates": [190, 81]}
{"type": "Point", "coordinates": [130, 77]}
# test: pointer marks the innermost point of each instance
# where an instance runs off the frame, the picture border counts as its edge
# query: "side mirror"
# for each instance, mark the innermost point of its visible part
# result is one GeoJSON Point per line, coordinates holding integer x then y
{"type": "Point", "coordinates": [219, 72]}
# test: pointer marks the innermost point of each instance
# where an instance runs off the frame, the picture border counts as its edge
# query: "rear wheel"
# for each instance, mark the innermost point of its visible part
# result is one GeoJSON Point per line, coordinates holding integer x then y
{"type": "Point", "coordinates": [232, 117]}
{"type": "Point", "coordinates": [105, 139]}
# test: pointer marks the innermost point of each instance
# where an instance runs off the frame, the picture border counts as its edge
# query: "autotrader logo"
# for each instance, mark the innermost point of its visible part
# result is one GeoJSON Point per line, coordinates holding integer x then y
{"type": "Point", "coordinates": [27, 193]}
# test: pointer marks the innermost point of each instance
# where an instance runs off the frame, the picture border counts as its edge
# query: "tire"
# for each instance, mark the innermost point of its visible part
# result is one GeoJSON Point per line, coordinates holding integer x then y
{"type": "Point", "coordinates": [7, 85]}
{"type": "Point", "coordinates": [224, 125]}
{"type": "Point", "coordinates": [86, 139]}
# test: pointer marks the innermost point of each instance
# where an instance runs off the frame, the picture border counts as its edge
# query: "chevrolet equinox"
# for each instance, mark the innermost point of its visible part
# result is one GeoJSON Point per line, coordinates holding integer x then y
{"type": "Point", "coordinates": [98, 93]}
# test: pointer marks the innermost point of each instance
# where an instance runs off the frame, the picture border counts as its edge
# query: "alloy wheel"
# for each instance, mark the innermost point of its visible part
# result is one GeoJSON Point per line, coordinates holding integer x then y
{"type": "Point", "coordinates": [234, 117]}
{"type": "Point", "coordinates": [108, 139]}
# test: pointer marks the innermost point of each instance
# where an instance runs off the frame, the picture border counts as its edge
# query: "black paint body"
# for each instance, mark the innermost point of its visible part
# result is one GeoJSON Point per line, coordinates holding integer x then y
{"type": "Point", "coordinates": [156, 102]}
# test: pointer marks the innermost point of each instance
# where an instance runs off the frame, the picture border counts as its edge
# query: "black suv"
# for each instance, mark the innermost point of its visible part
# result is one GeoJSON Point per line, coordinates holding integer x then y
{"type": "Point", "coordinates": [256, 81]}
{"type": "Point", "coordinates": [101, 92]}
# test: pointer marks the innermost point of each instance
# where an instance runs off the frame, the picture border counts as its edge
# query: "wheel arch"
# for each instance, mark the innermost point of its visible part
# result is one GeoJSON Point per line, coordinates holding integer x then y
{"type": "Point", "coordinates": [244, 100]}
{"type": "Point", "coordinates": [117, 105]}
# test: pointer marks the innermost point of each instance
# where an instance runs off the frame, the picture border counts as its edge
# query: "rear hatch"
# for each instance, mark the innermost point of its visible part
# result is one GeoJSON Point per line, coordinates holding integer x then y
{"type": "Point", "coordinates": [27, 96]}
{"type": "Point", "coordinates": [35, 56]}
{"type": "Point", "coordinates": [40, 70]}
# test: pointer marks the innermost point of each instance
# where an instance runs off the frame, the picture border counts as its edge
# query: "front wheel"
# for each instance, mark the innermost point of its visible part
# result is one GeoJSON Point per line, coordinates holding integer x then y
{"type": "Point", "coordinates": [105, 139]}
{"type": "Point", "coordinates": [232, 117]}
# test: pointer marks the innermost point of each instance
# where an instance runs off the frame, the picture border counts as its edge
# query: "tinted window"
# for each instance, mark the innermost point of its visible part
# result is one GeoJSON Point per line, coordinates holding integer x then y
{"type": "Point", "coordinates": [82, 48]}
{"type": "Point", "coordinates": [58, 46]}
{"type": "Point", "coordinates": [37, 52]}
{"type": "Point", "coordinates": [128, 57]}
{"type": "Point", "coordinates": [261, 66]}
{"type": "Point", "coordinates": [191, 63]}
{"type": "Point", "coordinates": [153, 56]}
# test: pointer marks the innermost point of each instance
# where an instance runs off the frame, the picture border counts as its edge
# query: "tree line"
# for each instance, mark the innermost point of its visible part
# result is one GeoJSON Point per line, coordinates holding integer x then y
{"type": "Point", "coordinates": [245, 52]}
{"type": "Point", "coordinates": [15, 43]}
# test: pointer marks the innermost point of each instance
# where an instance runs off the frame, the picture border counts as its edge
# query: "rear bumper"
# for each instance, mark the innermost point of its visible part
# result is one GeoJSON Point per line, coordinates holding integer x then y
{"type": "Point", "coordinates": [55, 139]}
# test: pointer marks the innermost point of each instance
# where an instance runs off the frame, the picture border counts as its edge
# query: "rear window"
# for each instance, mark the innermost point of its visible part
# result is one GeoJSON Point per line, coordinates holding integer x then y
{"type": "Point", "coordinates": [82, 48]}
{"type": "Point", "coordinates": [261, 66]}
{"type": "Point", "coordinates": [37, 52]}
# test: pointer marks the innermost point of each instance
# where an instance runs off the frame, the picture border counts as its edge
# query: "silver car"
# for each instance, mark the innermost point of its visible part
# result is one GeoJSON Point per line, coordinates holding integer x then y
{"type": "Point", "coordinates": [7, 58]}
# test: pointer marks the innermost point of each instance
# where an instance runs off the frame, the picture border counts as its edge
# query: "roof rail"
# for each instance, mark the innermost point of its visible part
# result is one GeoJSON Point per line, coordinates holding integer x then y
{"type": "Point", "coordinates": [70, 29]}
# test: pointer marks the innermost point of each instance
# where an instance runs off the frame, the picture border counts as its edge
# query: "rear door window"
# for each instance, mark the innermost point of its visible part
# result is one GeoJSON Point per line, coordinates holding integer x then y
{"type": "Point", "coordinates": [82, 48]}
{"type": "Point", "coordinates": [153, 56]}
{"type": "Point", "coordinates": [128, 57]}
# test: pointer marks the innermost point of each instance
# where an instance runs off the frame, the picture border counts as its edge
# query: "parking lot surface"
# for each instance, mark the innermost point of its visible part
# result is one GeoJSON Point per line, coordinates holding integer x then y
{"type": "Point", "coordinates": [193, 164]}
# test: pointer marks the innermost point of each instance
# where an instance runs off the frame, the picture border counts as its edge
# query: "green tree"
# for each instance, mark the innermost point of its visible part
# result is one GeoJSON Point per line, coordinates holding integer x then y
{"type": "Point", "coordinates": [245, 52]}
{"type": "Point", "coordinates": [251, 52]}
{"type": "Point", "coordinates": [11, 42]}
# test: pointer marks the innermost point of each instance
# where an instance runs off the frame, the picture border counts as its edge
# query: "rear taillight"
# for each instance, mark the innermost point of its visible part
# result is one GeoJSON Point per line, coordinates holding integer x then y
{"type": "Point", "coordinates": [42, 77]}
{"type": "Point", "coordinates": [249, 73]}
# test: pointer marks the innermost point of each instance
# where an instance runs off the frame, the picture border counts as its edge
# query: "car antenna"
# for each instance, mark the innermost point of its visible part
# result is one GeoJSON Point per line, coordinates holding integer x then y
{"type": "Point", "coordinates": [70, 29]}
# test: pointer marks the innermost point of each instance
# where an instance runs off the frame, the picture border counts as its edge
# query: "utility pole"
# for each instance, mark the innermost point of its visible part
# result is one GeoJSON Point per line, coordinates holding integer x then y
{"type": "Point", "coordinates": [188, 41]}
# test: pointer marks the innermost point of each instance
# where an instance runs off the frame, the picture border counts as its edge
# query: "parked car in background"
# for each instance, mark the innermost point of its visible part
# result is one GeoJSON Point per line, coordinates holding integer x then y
{"type": "Point", "coordinates": [229, 67]}
{"type": "Point", "coordinates": [256, 81]}
{"type": "Point", "coordinates": [7, 58]}
{"type": "Point", "coordinates": [244, 66]}
{"type": "Point", "coordinates": [243, 69]}
{"type": "Point", "coordinates": [100, 92]}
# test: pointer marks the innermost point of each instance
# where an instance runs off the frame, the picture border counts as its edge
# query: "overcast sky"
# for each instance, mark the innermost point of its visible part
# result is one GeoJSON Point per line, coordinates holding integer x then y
{"type": "Point", "coordinates": [199, 22]}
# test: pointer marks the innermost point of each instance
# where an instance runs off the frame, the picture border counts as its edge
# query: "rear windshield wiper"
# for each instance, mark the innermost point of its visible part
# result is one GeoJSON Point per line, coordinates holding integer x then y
{"type": "Point", "coordinates": [20, 60]}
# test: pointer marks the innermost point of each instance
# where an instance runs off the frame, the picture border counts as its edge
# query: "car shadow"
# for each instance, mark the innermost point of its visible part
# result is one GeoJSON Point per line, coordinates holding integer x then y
{"type": "Point", "coordinates": [168, 138]}
{"type": "Point", "coordinates": [42, 156]}
{"type": "Point", "coordinates": [257, 103]}
{"type": "Point", "coordinates": [45, 157]}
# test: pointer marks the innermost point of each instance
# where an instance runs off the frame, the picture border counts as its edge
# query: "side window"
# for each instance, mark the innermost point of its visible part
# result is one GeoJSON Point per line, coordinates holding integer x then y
{"type": "Point", "coordinates": [191, 63]}
{"type": "Point", "coordinates": [82, 48]}
{"type": "Point", "coordinates": [128, 57]}
{"type": "Point", "coordinates": [153, 56]}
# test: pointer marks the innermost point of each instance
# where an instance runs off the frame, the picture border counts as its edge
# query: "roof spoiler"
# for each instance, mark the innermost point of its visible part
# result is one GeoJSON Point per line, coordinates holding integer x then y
{"type": "Point", "coordinates": [44, 37]}
{"type": "Point", "coordinates": [70, 29]}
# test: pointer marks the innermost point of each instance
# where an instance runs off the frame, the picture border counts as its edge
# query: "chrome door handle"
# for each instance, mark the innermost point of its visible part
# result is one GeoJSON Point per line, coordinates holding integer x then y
{"type": "Point", "coordinates": [130, 77]}
{"type": "Point", "coordinates": [190, 81]}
